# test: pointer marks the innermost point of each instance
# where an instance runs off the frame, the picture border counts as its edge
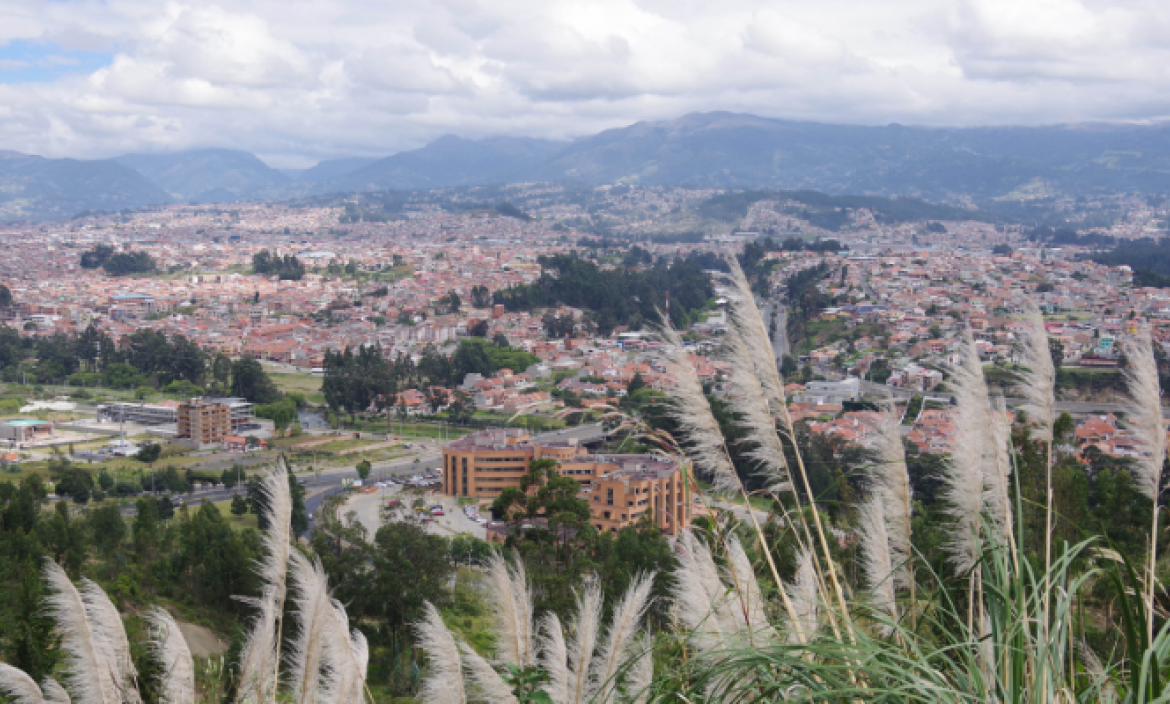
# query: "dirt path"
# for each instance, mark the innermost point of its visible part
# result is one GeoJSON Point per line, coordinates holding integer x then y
{"type": "Point", "coordinates": [202, 641]}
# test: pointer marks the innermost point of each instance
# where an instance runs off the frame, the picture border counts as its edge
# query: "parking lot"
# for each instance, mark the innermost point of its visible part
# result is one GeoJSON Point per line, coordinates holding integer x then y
{"type": "Point", "coordinates": [453, 521]}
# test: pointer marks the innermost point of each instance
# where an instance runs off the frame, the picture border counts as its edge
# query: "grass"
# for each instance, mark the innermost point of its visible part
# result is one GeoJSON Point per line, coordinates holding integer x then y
{"type": "Point", "coordinates": [299, 382]}
{"type": "Point", "coordinates": [248, 520]}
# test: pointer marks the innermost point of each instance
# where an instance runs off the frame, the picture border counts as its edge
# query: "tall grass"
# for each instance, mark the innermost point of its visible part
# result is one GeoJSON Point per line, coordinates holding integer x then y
{"type": "Point", "coordinates": [326, 663]}
{"type": "Point", "coordinates": [1009, 632]}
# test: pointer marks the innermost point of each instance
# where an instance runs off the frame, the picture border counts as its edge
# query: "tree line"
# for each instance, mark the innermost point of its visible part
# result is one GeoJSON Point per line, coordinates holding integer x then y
{"type": "Point", "coordinates": [286, 268]}
{"type": "Point", "coordinates": [625, 295]}
{"type": "Point", "coordinates": [358, 379]}
{"type": "Point", "coordinates": [103, 256]}
{"type": "Point", "coordinates": [144, 358]}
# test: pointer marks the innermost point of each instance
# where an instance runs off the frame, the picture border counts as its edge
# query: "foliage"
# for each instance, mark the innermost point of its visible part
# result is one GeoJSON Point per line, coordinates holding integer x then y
{"type": "Point", "coordinates": [251, 382]}
{"type": "Point", "coordinates": [287, 268]}
{"type": "Point", "coordinates": [621, 296]}
{"type": "Point", "coordinates": [124, 263]}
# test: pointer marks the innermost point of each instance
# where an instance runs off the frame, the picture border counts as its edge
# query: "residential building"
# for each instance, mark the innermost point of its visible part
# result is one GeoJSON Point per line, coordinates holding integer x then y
{"type": "Point", "coordinates": [620, 489]}
{"type": "Point", "coordinates": [203, 423]}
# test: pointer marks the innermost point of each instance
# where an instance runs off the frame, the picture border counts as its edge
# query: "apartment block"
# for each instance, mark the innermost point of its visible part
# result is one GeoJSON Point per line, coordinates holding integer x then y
{"type": "Point", "coordinates": [203, 423]}
{"type": "Point", "coordinates": [620, 489]}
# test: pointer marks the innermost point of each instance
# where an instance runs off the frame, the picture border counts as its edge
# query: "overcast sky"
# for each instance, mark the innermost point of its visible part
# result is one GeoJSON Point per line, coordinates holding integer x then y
{"type": "Point", "coordinates": [299, 80]}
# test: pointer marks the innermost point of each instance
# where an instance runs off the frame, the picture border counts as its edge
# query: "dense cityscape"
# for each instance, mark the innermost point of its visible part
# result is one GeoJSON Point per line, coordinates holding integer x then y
{"type": "Point", "coordinates": [464, 352]}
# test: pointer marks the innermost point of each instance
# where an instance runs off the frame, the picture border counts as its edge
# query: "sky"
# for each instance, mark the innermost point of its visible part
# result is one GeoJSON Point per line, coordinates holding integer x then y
{"type": "Point", "coordinates": [297, 81]}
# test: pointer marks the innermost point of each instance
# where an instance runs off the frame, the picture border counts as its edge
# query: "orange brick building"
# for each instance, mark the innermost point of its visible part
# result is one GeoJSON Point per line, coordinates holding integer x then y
{"type": "Point", "coordinates": [620, 489]}
{"type": "Point", "coordinates": [203, 423]}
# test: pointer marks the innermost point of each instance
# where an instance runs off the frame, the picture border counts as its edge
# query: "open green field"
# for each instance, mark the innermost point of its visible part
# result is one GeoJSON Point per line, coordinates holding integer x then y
{"type": "Point", "coordinates": [301, 383]}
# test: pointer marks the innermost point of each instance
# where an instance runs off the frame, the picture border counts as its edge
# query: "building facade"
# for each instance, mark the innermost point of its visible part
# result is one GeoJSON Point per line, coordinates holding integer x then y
{"type": "Point", "coordinates": [203, 423]}
{"type": "Point", "coordinates": [620, 489]}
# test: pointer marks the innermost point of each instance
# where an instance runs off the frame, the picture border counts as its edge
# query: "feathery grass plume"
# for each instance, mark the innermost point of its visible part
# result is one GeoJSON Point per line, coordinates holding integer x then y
{"type": "Point", "coordinates": [746, 318]}
{"type": "Point", "coordinates": [766, 450]}
{"type": "Point", "coordinates": [347, 655]}
{"type": "Point", "coordinates": [1037, 383]}
{"type": "Point", "coordinates": [742, 577]}
{"type": "Point", "coordinates": [586, 630]}
{"type": "Point", "coordinates": [54, 693]}
{"type": "Point", "coordinates": [511, 603]}
{"type": "Point", "coordinates": [169, 647]}
{"type": "Point", "coordinates": [618, 646]}
{"type": "Point", "coordinates": [15, 683]}
{"type": "Point", "coordinates": [890, 479]}
{"type": "Point", "coordinates": [702, 602]}
{"type": "Point", "coordinates": [310, 650]}
{"type": "Point", "coordinates": [486, 684]}
{"type": "Point", "coordinates": [110, 633]}
{"type": "Point", "coordinates": [444, 685]}
{"type": "Point", "coordinates": [1145, 415]}
{"type": "Point", "coordinates": [1093, 666]}
{"type": "Point", "coordinates": [554, 658]}
{"type": "Point", "coordinates": [1145, 419]}
{"type": "Point", "coordinates": [985, 433]}
{"type": "Point", "coordinates": [641, 671]}
{"type": "Point", "coordinates": [258, 669]}
{"type": "Point", "coordinates": [875, 549]}
{"type": "Point", "coordinates": [970, 468]}
{"type": "Point", "coordinates": [802, 591]}
{"type": "Point", "coordinates": [693, 414]}
{"type": "Point", "coordinates": [89, 667]}
{"type": "Point", "coordinates": [273, 568]}
{"type": "Point", "coordinates": [258, 660]}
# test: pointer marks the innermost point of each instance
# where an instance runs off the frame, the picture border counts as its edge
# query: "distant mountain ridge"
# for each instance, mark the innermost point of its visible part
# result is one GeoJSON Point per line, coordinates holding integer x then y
{"type": "Point", "coordinates": [207, 175]}
{"type": "Point", "coordinates": [702, 150]}
{"type": "Point", "coordinates": [36, 188]}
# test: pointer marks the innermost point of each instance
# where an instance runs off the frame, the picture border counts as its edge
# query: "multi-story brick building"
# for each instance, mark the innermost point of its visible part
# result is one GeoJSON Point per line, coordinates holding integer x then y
{"type": "Point", "coordinates": [620, 489]}
{"type": "Point", "coordinates": [203, 423]}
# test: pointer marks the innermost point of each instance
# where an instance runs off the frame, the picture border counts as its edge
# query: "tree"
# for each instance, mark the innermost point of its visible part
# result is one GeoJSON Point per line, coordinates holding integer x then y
{"type": "Point", "coordinates": [149, 453]}
{"type": "Point", "coordinates": [105, 481]}
{"type": "Point", "coordinates": [251, 382]}
{"type": "Point", "coordinates": [129, 263]}
{"type": "Point", "coordinates": [32, 634]}
{"type": "Point", "coordinates": [636, 384]}
{"type": "Point", "coordinates": [478, 328]}
{"type": "Point", "coordinates": [281, 419]}
{"type": "Point", "coordinates": [453, 302]}
{"type": "Point", "coordinates": [5, 296]}
{"type": "Point", "coordinates": [461, 408]}
{"type": "Point", "coordinates": [500, 340]}
{"type": "Point", "coordinates": [95, 257]}
{"type": "Point", "coordinates": [481, 297]}
{"type": "Point", "coordinates": [239, 505]}
{"type": "Point", "coordinates": [108, 528]}
{"type": "Point", "coordinates": [221, 369]}
{"type": "Point", "coordinates": [145, 530]}
{"type": "Point", "coordinates": [363, 469]}
{"type": "Point", "coordinates": [558, 326]}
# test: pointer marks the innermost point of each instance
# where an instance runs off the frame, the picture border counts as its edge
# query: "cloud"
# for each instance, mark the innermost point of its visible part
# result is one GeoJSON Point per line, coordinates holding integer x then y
{"type": "Point", "coordinates": [310, 79]}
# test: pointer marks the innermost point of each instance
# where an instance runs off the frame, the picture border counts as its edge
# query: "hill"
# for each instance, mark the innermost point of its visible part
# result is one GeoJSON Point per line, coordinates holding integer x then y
{"type": "Point", "coordinates": [207, 175]}
{"type": "Point", "coordinates": [450, 161]}
{"type": "Point", "coordinates": [36, 188]}
{"type": "Point", "coordinates": [329, 169]}
{"type": "Point", "coordinates": [725, 150]}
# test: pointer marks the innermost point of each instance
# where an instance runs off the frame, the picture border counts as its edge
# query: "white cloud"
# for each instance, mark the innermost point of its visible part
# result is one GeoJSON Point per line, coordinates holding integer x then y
{"type": "Point", "coordinates": [306, 79]}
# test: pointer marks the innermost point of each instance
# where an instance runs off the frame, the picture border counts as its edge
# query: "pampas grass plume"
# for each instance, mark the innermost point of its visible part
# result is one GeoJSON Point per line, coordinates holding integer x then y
{"type": "Point", "coordinates": [445, 683]}
{"type": "Point", "coordinates": [177, 679]}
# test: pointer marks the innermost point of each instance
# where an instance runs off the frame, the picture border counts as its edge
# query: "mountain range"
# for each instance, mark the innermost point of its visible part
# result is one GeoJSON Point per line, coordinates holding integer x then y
{"type": "Point", "coordinates": [706, 150]}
